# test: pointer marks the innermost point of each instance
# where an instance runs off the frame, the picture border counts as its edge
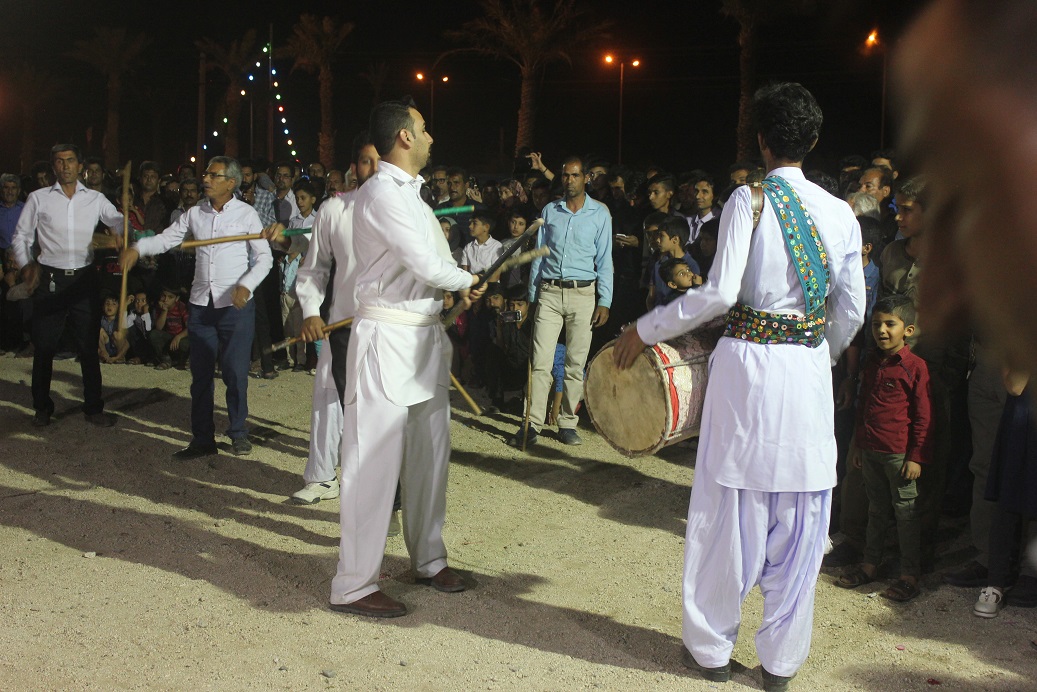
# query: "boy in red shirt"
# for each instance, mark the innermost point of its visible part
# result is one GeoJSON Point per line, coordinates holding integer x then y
{"type": "Point", "coordinates": [890, 445]}
{"type": "Point", "coordinates": [169, 335]}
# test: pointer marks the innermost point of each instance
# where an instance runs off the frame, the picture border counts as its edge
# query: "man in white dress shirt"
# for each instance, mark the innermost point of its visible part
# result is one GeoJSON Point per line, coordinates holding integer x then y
{"type": "Point", "coordinates": [63, 280]}
{"type": "Point", "coordinates": [761, 497]}
{"type": "Point", "coordinates": [397, 407]}
{"type": "Point", "coordinates": [222, 317]}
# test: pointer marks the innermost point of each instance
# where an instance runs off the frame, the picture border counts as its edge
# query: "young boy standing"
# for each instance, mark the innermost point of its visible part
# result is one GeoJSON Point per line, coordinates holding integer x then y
{"type": "Point", "coordinates": [672, 237]}
{"type": "Point", "coordinates": [891, 444]}
{"type": "Point", "coordinates": [483, 250]}
{"type": "Point", "coordinates": [291, 311]}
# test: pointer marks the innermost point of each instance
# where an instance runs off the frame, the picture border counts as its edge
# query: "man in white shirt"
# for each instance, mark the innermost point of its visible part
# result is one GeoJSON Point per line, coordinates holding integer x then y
{"type": "Point", "coordinates": [63, 280]}
{"type": "Point", "coordinates": [397, 407]}
{"type": "Point", "coordinates": [222, 314]}
{"type": "Point", "coordinates": [697, 201]}
{"type": "Point", "coordinates": [765, 468]}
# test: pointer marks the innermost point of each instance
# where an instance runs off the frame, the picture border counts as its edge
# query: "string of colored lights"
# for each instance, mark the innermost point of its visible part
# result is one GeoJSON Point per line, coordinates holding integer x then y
{"type": "Point", "coordinates": [275, 82]}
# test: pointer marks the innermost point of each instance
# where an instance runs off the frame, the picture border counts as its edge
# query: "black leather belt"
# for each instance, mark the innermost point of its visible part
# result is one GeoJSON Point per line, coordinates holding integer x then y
{"type": "Point", "coordinates": [54, 271]}
{"type": "Point", "coordinates": [565, 283]}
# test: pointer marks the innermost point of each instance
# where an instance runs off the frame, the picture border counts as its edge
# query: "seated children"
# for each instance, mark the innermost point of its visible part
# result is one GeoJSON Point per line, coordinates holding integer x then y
{"type": "Point", "coordinates": [483, 251]}
{"type": "Point", "coordinates": [111, 345]}
{"type": "Point", "coordinates": [138, 329]}
{"type": "Point", "coordinates": [510, 359]}
{"type": "Point", "coordinates": [671, 238]}
{"type": "Point", "coordinates": [169, 337]}
{"type": "Point", "coordinates": [678, 277]}
{"type": "Point", "coordinates": [890, 445]}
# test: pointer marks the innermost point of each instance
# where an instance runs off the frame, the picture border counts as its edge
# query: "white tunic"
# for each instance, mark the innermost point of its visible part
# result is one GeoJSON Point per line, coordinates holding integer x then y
{"type": "Point", "coordinates": [403, 264]}
{"type": "Point", "coordinates": [767, 423]}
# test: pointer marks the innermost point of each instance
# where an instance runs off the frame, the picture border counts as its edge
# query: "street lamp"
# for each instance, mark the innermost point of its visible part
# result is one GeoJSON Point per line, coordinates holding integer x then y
{"type": "Point", "coordinates": [610, 59]}
{"type": "Point", "coordinates": [872, 44]}
{"type": "Point", "coordinates": [421, 77]}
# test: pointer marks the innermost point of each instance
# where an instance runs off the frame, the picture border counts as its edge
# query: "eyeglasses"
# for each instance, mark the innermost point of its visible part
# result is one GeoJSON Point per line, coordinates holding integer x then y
{"type": "Point", "coordinates": [439, 180]}
{"type": "Point", "coordinates": [207, 174]}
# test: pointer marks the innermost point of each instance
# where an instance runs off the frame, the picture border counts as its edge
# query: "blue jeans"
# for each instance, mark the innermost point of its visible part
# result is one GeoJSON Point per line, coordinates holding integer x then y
{"type": "Point", "coordinates": [227, 332]}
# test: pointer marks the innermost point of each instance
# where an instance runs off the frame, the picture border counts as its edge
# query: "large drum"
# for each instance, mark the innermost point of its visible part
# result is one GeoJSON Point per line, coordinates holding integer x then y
{"type": "Point", "coordinates": [657, 401]}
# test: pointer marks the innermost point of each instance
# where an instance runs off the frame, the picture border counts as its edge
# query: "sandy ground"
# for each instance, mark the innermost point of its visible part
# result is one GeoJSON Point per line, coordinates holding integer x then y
{"type": "Point", "coordinates": [121, 569]}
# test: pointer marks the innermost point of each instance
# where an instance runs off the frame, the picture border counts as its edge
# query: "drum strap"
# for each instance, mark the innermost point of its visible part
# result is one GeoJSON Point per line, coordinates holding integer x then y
{"type": "Point", "coordinates": [807, 252]}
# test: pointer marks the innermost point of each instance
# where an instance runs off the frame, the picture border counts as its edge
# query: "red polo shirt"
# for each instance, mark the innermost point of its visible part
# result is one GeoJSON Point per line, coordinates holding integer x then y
{"type": "Point", "coordinates": [894, 407]}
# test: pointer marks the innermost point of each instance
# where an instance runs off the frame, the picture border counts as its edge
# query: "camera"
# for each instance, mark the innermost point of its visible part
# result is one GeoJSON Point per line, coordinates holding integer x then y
{"type": "Point", "coordinates": [511, 316]}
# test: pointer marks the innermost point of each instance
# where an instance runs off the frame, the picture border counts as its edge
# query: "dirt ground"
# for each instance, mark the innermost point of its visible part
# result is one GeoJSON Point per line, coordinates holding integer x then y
{"type": "Point", "coordinates": [122, 569]}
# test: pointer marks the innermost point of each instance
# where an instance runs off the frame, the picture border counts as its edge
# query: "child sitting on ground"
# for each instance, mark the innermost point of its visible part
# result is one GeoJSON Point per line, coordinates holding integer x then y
{"type": "Point", "coordinates": [169, 337]}
{"type": "Point", "coordinates": [138, 329]}
{"type": "Point", "coordinates": [890, 445]}
{"type": "Point", "coordinates": [112, 345]}
{"type": "Point", "coordinates": [678, 277]}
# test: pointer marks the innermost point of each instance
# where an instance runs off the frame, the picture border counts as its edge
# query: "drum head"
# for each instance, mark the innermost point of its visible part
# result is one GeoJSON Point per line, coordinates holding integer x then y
{"type": "Point", "coordinates": [629, 408]}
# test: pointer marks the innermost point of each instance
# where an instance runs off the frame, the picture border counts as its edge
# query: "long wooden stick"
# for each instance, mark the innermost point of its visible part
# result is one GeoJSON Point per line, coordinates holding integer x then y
{"type": "Point", "coordinates": [467, 397]}
{"type": "Point", "coordinates": [328, 328]}
{"type": "Point", "coordinates": [126, 172]}
{"type": "Point", "coordinates": [187, 244]}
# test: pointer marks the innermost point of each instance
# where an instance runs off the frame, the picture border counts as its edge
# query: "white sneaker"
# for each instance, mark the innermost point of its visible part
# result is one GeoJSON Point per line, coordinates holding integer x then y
{"type": "Point", "coordinates": [315, 492]}
{"type": "Point", "coordinates": [990, 601]}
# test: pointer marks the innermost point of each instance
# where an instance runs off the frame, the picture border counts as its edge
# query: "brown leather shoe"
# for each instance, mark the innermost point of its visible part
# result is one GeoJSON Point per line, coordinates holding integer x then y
{"type": "Point", "coordinates": [446, 580]}
{"type": "Point", "coordinates": [373, 605]}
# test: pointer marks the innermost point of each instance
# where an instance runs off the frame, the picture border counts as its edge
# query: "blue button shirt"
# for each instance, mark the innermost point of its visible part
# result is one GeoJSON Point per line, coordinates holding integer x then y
{"type": "Point", "coordinates": [8, 220]}
{"type": "Point", "coordinates": [581, 248]}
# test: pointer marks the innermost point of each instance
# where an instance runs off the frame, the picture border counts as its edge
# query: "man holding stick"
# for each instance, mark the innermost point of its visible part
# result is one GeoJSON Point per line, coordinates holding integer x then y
{"type": "Point", "coordinates": [63, 280]}
{"type": "Point", "coordinates": [793, 292]}
{"type": "Point", "coordinates": [222, 314]}
{"type": "Point", "coordinates": [397, 408]}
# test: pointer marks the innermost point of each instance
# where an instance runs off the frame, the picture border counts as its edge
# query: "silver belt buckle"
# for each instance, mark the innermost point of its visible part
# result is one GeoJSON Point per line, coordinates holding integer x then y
{"type": "Point", "coordinates": [70, 272]}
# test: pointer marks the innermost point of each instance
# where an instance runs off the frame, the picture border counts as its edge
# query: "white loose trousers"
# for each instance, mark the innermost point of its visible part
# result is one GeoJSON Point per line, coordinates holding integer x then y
{"type": "Point", "coordinates": [325, 423]}
{"type": "Point", "coordinates": [737, 539]}
{"type": "Point", "coordinates": [383, 443]}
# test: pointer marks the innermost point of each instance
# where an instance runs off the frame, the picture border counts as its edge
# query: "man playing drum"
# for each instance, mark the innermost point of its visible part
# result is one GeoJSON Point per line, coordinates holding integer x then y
{"type": "Point", "coordinates": [793, 292]}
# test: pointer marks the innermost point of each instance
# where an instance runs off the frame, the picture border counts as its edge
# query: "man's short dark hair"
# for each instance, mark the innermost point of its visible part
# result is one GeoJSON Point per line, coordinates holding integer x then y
{"type": "Point", "coordinates": [853, 161]}
{"type": "Point", "coordinates": [575, 159]}
{"type": "Point", "coordinates": [676, 227]}
{"type": "Point", "coordinates": [823, 180]}
{"type": "Point", "coordinates": [898, 305]}
{"type": "Point", "coordinates": [888, 154]}
{"type": "Point", "coordinates": [914, 189]}
{"type": "Point", "coordinates": [486, 217]}
{"type": "Point", "coordinates": [656, 219]}
{"type": "Point", "coordinates": [244, 163]}
{"type": "Point", "coordinates": [664, 179]}
{"type": "Point", "coordinates": [191, 181]}
{"type": "Point", "coordinates": [90, 160]}
{"type": "Point", "coordinates": [362, 139]}
{"type": "Point", "coordinates": [285, 164]}
{"type": "Point", "coordinates": [58, 148]}
{"type": "Point", "coordinates": [458, 171]}
{"type": "Point", "coordinates": [788, 117]}
{"type": "Point", "coordinates": [699, 176]}
{"type": "Point", "coordinates": [305, 185]}
{"type": "Point", "coordinates": [885, 175]}
{"type": "Point", "coordinates": [517, 292]}
{"type": "Point", "coordinates": [388, 118]}
{"type": "Point", "coordinates": [669, 266]}
{"type": "Point", "coordinates": [741, 166]}
{"type": "Point", "coordinates": [148, 166]}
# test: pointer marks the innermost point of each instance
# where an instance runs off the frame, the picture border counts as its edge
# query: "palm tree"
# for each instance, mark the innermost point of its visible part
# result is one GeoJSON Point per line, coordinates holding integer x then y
{"type": "Point", "coordinates": [531, 34]}
{"type": "Point", "coordinates": [31, 90]}
{"type": "Point", "coordinates": [233, 60]}
{"type": "Point", "coordinates": [375, 75]}
{"type": "Point", "coordinates": [314, 44]}
{"type": "Point", "coordinates": [114, 53]}
{"type": "Point", "coordinates": [750, 14]}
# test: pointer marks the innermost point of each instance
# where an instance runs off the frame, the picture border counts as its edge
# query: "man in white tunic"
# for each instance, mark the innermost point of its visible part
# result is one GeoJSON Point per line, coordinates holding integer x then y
{"type": "Point", "coordinates": [761, 497]}
{"type": "Point", "coordinates": [397, 408]}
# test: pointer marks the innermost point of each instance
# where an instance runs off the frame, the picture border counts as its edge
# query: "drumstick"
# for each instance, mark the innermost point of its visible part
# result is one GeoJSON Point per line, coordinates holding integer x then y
{"type": "Point", "coordinates": [493, 268]}
{"type": "Point", "coordinates": [328, 328]}
{"type": "Point", "coordinates": [450, 211]}
{"type": "Point", "coordinates": [126, 170]}
{"type": "Point", "coordinates": [187, 244]}
{"type": "Point", "coordinates": [529, 401]}
{"type": "Point", "coordinates": [471, 402]}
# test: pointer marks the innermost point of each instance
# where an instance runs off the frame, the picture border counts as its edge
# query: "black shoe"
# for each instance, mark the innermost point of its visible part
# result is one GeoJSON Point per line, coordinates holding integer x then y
{"type": "Point", "coordinates": [721, 674]}
{"type": "Point", "coordinates": [41, 419]}
{"type": "Point", "coordinates": [516, 439]}
{"type": "Point", "coordinates": [1024, 593]}
{"type": "Point", "coordinates": [191, 452]}
{"type": "Point", "coordinates": [972, 575]}
{"type": "Point", "coordinates": [775, 683]}
{"type": "Point", "coordinates": [241, 446]}
{"type": "Point", "coordinates": [100, 419]}
{"type": "Point", "coordinates": [568, 436]}
{"type": "Point", "coordinates": [843, 555]}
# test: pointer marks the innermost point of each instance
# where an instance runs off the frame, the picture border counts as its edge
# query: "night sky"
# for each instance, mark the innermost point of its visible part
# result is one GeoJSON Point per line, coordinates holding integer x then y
{"type": "Point", "coordinates": [680, 106]}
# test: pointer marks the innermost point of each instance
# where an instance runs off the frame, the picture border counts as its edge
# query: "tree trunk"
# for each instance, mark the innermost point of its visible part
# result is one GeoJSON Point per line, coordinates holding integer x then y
{"type": "Point", "coordinates": [111, 128]}
{"type": "Point", "coordinates": [230, 147]}
{"type": "Point", "coordinates": [747, 38]}
{"type": "Point", "coordinates": [326, 137]}
{"type": "Point", "coordinates": [527, 109]}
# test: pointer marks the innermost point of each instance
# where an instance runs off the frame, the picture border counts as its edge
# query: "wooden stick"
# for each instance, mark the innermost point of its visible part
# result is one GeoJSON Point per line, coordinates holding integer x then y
{"type": "Point", "coordinates": [328, 328]}
{"type": "Point", "coordinates": [450, 211]}
{"type": "Point", "coordinates": [529, 399]}
{"type": "Point", "coordinates": [187, 244]}
{"type": "Point", "coordinates": [467, 397]}
{"type": "Point", "coordinates": [126, 171]}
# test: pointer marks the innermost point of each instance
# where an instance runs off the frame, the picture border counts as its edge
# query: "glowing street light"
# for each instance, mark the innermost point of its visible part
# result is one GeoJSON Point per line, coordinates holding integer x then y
{"type": "Point", "coordinates": [871, 44]}
{"type": "Point", "coordinates": [610, 60]}
{"type": "Point", "coordinates": [422, 77]}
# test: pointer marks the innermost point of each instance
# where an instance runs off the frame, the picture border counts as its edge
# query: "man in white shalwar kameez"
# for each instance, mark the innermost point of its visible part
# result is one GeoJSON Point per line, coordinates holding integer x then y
{"type": "Point", "coordinates": [761, 496]}
{"type": "Point", "coordinates": [397, 407]}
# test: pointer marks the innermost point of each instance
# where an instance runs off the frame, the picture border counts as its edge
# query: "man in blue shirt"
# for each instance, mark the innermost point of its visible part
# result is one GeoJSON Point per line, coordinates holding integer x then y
{"type": "Point", "coordinates": [571, 286]}
{"type": "Point", "coordinates": [10, 208]}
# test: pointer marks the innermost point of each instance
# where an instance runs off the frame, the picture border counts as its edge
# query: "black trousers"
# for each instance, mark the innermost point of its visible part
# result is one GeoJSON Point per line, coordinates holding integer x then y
{"type": "Point", "coordinates": [74, 301]}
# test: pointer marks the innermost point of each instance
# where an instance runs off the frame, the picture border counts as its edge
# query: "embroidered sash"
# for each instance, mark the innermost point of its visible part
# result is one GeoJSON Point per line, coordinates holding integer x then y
{"type": "Point", "coordinates": [811, 261]}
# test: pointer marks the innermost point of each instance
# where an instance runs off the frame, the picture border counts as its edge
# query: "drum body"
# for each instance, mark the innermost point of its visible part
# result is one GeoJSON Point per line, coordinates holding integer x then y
{"type": "Point", "coordinates": [657, 401]}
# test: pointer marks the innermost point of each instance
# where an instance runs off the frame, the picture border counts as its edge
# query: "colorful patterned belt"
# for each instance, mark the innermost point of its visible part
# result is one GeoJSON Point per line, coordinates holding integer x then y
{"type": "Point", "coordinates": [743, 322]}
